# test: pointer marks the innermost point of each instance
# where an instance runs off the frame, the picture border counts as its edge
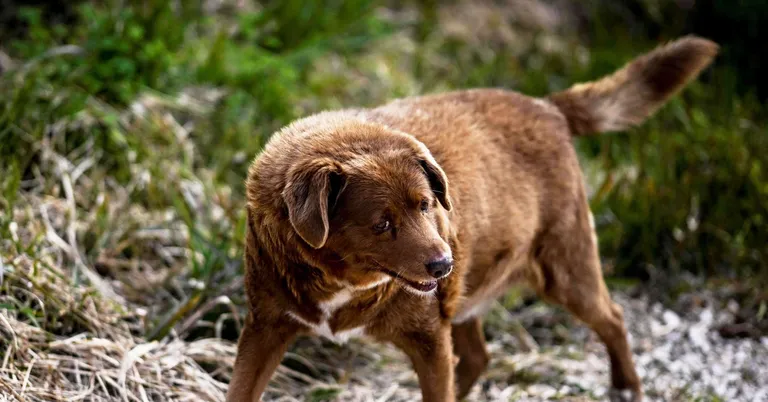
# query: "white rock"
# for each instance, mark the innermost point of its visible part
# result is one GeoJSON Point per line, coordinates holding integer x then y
{"type": "Point", "coordinates": [542, 390]}
{"type": "Point", "coordinates": [698, 336]}
{"type": "Point", "coordinates": [671, 319]}
{"type": "Point", "coordinates": [733, 306]}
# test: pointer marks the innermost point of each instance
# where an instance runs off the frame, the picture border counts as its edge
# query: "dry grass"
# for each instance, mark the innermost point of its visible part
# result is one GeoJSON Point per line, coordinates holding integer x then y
{"type": "Point", "coordinates": [76, 320]}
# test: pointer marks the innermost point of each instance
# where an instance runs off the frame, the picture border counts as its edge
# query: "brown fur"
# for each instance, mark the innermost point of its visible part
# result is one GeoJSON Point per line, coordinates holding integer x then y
{"type": "Point", "coordinates": [630, 95]}
{"type": "Point", "coordinates": [486, 177]}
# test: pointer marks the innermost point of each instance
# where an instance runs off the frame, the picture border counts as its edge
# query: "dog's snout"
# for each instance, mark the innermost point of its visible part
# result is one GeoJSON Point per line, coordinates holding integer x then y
{"type": "Point", "coordinates": [440, 267]}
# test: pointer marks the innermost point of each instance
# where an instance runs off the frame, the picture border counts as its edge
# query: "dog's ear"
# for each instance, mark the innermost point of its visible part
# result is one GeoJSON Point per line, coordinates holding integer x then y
{"type": "Point", "coordinates": [310, 193]}
{"type": "Point", "coordinates": [437, 178]}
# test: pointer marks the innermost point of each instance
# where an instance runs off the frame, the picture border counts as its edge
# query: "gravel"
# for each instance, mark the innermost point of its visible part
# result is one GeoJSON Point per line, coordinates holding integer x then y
{"type": "Point", "coordinates": [680, 356]}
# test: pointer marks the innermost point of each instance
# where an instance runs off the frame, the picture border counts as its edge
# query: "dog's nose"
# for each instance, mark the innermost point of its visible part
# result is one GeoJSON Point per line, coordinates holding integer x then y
{"type": "Point", "coordinates": [440, 267]}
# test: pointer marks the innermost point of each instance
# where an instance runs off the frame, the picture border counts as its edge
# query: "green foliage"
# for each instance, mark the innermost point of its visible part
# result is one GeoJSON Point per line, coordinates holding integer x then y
{"type": "Point", "coordinates": [696, 197]}
{"type": "Point", "coordinates": [268, 58]}
{"type": "Point", "coordinates": [9, 186]}
{"type": "Point", "coordinates": [119, 50]}
{"type": "Point", "coordinates": [323, 394]}
{"type": "Point", "coordinates": [687, 189]}
{"type": "Point", "coordinates": [82, 72]}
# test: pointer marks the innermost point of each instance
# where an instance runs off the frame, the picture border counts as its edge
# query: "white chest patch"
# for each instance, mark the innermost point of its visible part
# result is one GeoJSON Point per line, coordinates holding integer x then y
{"type": "Point", "coordinates": [329, 307]}
{"type": "Point", "coordinates": [324, 330]}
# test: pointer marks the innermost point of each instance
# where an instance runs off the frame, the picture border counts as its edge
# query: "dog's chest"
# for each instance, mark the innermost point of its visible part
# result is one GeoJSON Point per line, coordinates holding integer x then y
{"type": "Point", "coordinates": [328, 309]}
{"type": "Point", "coordinates": [323, 327]}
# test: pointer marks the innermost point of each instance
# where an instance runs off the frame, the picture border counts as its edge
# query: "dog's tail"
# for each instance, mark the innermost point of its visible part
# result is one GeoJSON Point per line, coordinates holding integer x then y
{"type": "Point", "coordinates": [630, 95]}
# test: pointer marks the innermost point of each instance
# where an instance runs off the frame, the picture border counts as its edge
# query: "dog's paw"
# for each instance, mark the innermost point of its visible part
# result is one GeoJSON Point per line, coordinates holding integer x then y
{"type": "Point", "coordinates": [625, 395]}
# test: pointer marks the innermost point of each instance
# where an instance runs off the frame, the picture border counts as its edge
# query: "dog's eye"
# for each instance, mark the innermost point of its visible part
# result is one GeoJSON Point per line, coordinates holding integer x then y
{"type": "Point", "coordinates": [424, 205]}
{"type": "Point", "coordinates": [382, 226]}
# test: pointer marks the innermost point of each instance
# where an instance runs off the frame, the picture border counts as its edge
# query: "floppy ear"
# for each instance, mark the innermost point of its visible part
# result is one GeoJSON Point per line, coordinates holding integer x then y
{"type": "Point", "coordinates": [437, 178]}
{"type": "Point", "coordinates": [310, 194]}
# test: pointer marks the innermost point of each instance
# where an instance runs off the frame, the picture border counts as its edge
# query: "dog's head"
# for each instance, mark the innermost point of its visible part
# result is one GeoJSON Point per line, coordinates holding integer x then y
{"type": "Point", "coordinates": [377, 210]}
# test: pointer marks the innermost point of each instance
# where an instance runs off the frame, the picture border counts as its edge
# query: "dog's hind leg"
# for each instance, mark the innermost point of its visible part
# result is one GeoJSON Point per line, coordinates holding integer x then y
{"type": "Point", "coordinates": [571, 276]}
{"type": "Point", "coordinates": [469, 347]}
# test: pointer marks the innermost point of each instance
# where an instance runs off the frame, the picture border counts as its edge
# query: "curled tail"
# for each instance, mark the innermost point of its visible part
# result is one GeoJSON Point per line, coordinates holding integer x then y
{"type": "Point", "coordinates": [630, 95]}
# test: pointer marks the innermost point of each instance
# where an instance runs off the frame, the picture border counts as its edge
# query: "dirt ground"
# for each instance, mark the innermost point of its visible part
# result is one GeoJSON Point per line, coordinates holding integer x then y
{"type": "Point", "coordinates": [680, 358]}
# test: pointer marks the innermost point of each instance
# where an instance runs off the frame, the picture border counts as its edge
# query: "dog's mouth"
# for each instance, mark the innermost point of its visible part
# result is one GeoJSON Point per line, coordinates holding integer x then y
{"type": "Point", "coordinates": [423, 287]}
{"type": "Point", "coordinates": [417, 286]}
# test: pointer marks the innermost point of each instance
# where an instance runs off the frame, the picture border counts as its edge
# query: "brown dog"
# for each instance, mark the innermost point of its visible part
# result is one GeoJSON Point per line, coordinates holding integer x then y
{"type": "Point", "coordinates": [450, 198]}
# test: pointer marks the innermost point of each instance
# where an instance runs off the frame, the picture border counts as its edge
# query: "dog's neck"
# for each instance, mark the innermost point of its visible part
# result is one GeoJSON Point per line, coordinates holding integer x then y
{"type": "Point", "coordinates": [314, 281]}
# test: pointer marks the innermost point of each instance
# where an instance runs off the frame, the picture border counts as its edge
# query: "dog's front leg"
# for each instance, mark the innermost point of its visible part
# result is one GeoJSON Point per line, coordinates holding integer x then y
{"type": "Point", "coordinates": [259, 351]}
{"type": "Point", "coordinates": [431, 353]}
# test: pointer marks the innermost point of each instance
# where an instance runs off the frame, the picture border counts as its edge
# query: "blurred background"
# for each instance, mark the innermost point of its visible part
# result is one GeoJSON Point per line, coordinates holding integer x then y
{"type": "Point", "coordinates": [127, 127]}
